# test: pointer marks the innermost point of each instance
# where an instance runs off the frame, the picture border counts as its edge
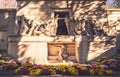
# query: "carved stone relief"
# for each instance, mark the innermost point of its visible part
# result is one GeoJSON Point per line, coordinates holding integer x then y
{"type": "Point", "coordinates": [62, 52]}
{"type": "Point", "coordinates": [83, 27]}
{"type": "Point", "coordinates": [88, 27]}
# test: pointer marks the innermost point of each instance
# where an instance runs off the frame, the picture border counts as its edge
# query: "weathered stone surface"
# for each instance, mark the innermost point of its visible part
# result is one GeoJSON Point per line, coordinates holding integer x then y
{"type": "Point", "coordinates": [28, 51]}
{"type": "Point", "coordinates": [102, 46]}
{"type": "Point", "coordinates": [35, 47]}
{"type": "Point", "coordinates": [44, 10]}
{"type": "Point", "coordinates": [8, 4]}
{"type": "Point", "coordinates": [114, 21]}
{"type": "Point", "coordinates": [32, 47]}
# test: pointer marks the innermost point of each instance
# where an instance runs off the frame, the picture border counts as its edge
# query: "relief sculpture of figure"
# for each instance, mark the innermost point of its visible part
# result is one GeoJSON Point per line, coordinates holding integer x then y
{"type": "Point", "coordinates": [40, 29]}
{"type": "Point", "coordinates": [19, 22]}
{"type": "Point", "coordinates": [55, 53]}
{"type": "Point", "coordinates": [85, 28]}
{"type": "Point", "coordinates": [67, 24]}
{"type": "Point", "coordinates": [80, 27]}
{"type": "Point", "coordinates": [89, 27]}
{"type": "Point", "coordinates": [34, 24]}
{"type": "Point", "coordinates": [52, 26]}
{"type": "Point", "coordinates": [22, 25]}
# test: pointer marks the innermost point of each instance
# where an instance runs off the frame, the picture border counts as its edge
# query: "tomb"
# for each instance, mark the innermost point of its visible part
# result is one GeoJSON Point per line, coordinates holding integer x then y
{"type": "Point", "coordinates": [60, 31]}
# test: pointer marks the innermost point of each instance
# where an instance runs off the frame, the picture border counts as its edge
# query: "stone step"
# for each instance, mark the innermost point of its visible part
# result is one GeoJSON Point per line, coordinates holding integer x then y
{"type": "Point", "coordinates": [52, 76]}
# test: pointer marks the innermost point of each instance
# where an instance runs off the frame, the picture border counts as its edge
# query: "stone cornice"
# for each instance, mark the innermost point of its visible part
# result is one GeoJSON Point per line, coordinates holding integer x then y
{"type": "Point", "coordinates": [113, 9]}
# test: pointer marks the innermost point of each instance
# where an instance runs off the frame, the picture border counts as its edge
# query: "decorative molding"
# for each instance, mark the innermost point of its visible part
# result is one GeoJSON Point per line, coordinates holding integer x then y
{"type": "Point", "coordinates": [113, 9]}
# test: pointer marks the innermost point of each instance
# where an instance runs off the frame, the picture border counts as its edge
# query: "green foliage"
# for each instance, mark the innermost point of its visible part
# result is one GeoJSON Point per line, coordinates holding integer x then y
{"type": "Point", "coordinates": [118, 3]}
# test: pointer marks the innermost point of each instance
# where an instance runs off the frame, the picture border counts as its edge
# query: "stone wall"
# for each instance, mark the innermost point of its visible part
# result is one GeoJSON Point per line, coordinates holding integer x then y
{"type": "Point", "coordinates": [3, 40]}
{"type": "Point", "coordinates": [6, 16]}
{"type": "Point", "coordinates": [102, 46]}
{"type": "Point", "coordinates": [114, 25]}
{"type": "Point", "coordinates": [44, 10]}
{"type": "Point", "coordinates": [114, 21]}
{"type": "Point", "coordinates": [7, 26]}
{"type": "Point", "coordinates": [35, 47]}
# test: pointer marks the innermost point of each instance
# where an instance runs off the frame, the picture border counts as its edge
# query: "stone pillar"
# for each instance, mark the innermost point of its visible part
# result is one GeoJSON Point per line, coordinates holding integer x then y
{"type": "Point", "coordinates": [83, 49]}
{"type": "Point", "coordinates": [7, 25]}
{"type": "Point", "coordinates": [12, 26]}
{"type": "Point", "coordinates": [118, 42]}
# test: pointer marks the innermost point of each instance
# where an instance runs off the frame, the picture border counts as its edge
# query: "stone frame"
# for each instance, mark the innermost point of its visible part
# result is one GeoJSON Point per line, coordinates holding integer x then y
{"type": "Point", "coordinates": [72, 56]}
{"type": "Point", "coordinates": [61, 10]}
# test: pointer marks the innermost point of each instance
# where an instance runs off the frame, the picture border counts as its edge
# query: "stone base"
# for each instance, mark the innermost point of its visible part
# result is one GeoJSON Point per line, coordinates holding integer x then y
{"type": "Point", "coordinates": [35, 48]}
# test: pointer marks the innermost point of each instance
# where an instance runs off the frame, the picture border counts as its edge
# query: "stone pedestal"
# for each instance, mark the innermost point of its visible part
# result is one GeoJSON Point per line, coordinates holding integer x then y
{"type": "Point", "coordinates": [33, 48]}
